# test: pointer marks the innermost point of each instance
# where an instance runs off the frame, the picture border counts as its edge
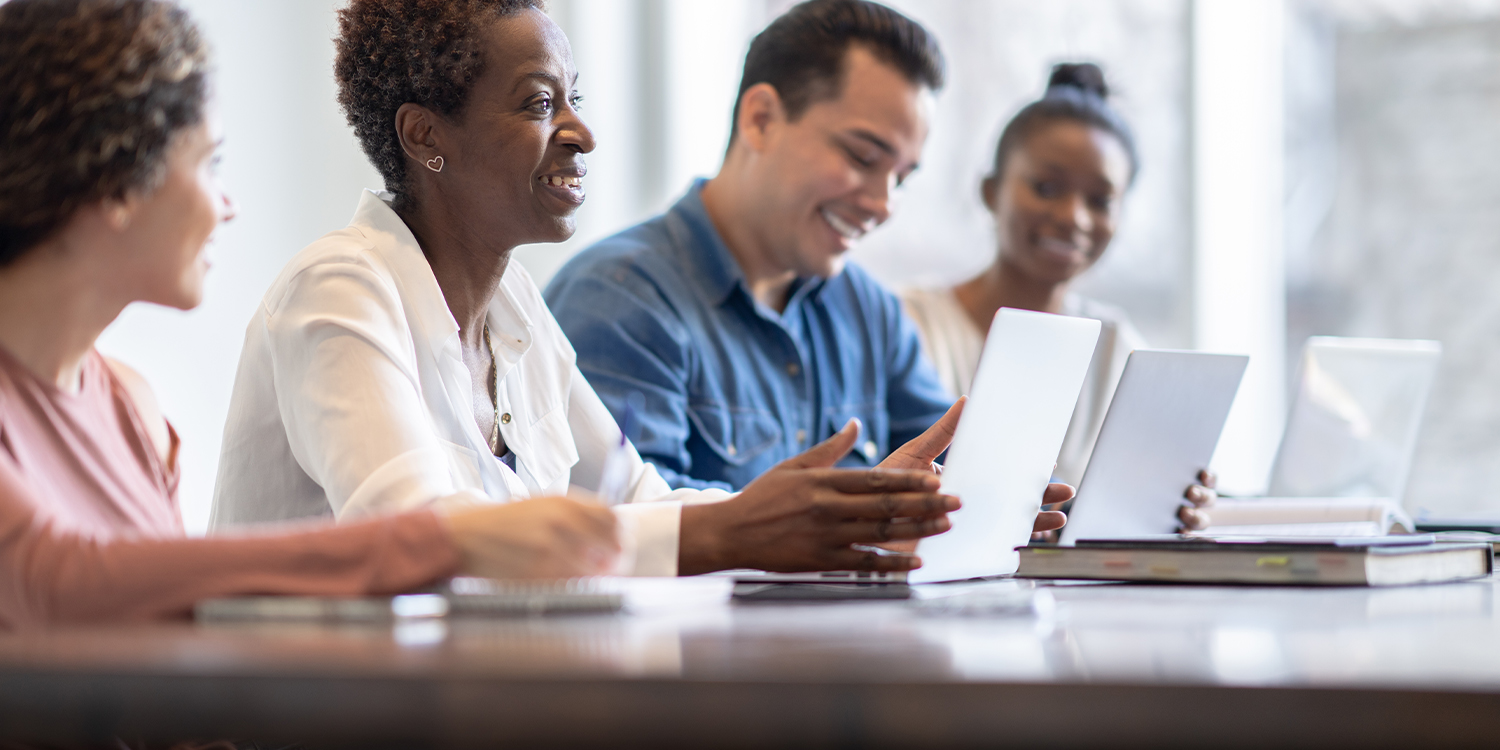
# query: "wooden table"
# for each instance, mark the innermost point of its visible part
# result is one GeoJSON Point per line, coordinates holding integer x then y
{"type": "Point", "coordinates": [1115, 665]}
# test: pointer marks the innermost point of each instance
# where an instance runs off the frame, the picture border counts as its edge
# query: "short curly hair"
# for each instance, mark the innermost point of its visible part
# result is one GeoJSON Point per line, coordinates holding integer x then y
{"type": "Point", "coordinates": [92, 94]}
{"type": "Point", "coordinates": [394, 52]}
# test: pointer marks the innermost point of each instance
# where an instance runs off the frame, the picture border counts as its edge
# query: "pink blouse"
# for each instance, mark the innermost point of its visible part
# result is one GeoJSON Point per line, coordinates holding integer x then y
{"type": "Point", "coordinates": [89, 527]}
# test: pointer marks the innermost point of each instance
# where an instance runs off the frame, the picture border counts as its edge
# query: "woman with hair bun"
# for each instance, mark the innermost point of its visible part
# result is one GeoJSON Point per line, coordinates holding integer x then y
{"type": "Point", "coordinates": [108, 196]}
{"type": "Point", "coordinates": [1061, 171]}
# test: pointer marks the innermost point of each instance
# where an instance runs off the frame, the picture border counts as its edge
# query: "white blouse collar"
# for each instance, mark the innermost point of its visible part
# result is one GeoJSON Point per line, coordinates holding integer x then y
{"type": "Point", "coordinates": [510, 326]}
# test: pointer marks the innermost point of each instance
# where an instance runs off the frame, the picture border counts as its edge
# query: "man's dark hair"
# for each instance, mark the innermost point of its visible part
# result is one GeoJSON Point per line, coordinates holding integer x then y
{"type": "Point", "coordinates": [391, 52]}
{"type": "Point", "coordinates": [802, 53]}
{"type": "Point", "coordinates": [92, 94]}
{"type": "Point", "coordinates": [1075, 92]}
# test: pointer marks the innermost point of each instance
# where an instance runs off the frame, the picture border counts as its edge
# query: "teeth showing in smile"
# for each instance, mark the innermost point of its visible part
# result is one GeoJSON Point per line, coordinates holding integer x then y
{"type": "Point", "coordinates": [1057, 245]}
{"type": "Point", "coordinates": [844, 228]}
{"type": "Point", "coordinates": [556, 181]}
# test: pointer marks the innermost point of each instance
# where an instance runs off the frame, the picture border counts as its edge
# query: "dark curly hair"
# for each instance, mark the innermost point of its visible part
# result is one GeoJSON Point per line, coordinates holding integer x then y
{"type": "Point", "coordinates": [394, 52]}
{"type": "Point", "coordinates": [92, 94]}
{"type": "Point", "coordinates": [801, 53]}
{"type": "Point", "coordinates": [1076, 92]}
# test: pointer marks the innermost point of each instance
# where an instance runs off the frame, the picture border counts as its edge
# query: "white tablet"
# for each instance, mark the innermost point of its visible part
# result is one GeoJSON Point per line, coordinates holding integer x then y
{"type": "Point", "coordinates": [1007, 441]}
{"type": "Point", "coordinates": [1160, 431]}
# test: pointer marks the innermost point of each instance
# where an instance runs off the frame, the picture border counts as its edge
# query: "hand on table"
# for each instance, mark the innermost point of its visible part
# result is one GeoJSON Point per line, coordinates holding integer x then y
{"type": "Point", "coordinates": [1200, 497]}
{"type": "Point", "coordinates": [546, 537]}
{"type": "Point", "coordinates": [804, 515]}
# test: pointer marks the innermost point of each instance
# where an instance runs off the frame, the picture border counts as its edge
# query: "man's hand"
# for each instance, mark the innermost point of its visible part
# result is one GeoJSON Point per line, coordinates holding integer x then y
{"type": "Point", "coordinates": [922, 451]}
{"type": "Point", "coordinates": [804, 515]}
{"type": "Point", "coordinates": [1201, 496]}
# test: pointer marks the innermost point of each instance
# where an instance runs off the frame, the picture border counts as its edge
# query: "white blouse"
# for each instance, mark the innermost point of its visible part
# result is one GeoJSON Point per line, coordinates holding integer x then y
{"type": "Point", "coordinates": [352, 399]}
{"type": "Point", "coordinates": [953, 342]}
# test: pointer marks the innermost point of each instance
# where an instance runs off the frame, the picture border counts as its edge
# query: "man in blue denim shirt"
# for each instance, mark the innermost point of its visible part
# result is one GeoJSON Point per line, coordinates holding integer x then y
{"type": "Point", "coordinates": [731, 386]}
{"type": "Point", "coordinates": [734, 314]}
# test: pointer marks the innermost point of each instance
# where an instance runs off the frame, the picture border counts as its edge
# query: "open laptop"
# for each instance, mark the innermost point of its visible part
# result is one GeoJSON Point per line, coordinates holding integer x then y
{"type": "Point", "coordinates": [1353, 425]}
{"type": "Point", "coordinates": [1003, 451]}
{"type": "Point", "coordinates": [1160, 431]}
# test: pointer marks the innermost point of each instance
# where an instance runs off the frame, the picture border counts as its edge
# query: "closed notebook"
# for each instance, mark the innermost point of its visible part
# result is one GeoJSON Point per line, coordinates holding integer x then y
{"type": "Point", "coordinates": [1387, 561]}
{"type": "Point", "coordinates": [481, 597]}
{"type": "Point", "coordinates": [461, 596]}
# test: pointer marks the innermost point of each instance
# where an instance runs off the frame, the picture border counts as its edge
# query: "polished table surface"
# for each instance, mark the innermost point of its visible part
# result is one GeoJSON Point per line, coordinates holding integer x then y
{"type": "Point", "coordinates": [1105, 665]}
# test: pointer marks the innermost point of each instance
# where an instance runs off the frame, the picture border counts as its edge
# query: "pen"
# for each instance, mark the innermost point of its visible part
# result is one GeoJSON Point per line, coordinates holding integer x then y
{"type": "Point", "coordinates": [614, 480]}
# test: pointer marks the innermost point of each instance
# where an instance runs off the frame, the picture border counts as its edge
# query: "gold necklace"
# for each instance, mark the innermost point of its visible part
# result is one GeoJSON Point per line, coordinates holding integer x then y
{"type": "Point", "coordinates": [494, 394]}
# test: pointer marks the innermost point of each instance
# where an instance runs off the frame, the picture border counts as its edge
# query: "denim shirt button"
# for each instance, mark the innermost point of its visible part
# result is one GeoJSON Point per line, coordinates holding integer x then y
{"type": "Point", "coordinates": [731, 451]}
{"type": "Point", "coordinates": [869, 449]}
{"type": "Point", "coordinates": [793, 368]}
{"type": "Point", "coordinates": [801, 436]}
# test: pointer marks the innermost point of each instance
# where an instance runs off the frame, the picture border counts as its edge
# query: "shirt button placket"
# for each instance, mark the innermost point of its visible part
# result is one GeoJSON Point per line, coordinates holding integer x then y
{"type": "Point", "coordinates": [794, 369]}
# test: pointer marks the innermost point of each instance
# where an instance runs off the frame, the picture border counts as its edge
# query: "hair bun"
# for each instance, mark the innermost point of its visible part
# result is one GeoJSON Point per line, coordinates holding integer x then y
{"type": "Point", "coordinates": [1086, 77]}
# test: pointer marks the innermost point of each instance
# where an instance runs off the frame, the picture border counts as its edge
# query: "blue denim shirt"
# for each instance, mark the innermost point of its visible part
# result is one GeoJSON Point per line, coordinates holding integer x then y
{"type": "Point", "coordinates": [731, 387]}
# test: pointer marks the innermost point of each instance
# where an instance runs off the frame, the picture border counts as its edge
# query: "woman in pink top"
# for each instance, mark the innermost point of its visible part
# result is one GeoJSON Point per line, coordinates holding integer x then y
{"type": "Point", "coordinates": [107, 197]}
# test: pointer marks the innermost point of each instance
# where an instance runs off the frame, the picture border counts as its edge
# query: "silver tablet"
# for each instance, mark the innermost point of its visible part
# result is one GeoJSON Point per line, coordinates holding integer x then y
{"type": "Point", "coordinates": [1160, 431]}
{"type": "Point", "coordinates": [1006, 443]}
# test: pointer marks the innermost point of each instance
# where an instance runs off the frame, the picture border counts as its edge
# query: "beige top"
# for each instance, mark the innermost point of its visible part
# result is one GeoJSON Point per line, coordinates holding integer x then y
{"type": "Point", "coordinates": [953, 342]}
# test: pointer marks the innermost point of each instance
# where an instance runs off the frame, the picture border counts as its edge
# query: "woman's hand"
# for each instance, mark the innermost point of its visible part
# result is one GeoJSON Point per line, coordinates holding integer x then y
{"type": "Point", "coordinates": [1048, 521]}
{"type": "Point", "coordinates": [1201, 496]}
{"type": "Point", "coordinates": [803, 515]}
{"type": "Point", "coordinates": [548, 537]}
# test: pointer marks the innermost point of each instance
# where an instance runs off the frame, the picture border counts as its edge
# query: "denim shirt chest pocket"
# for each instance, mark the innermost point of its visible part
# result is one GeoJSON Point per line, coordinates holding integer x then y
{"type": "Point", "coordinates": [874, 431]}
{"type": "Point", "coordinates": [737, 437]}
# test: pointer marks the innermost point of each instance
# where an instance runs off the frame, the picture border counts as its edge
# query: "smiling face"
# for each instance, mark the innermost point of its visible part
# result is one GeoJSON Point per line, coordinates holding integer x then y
{"type": "Point", "coordinates": [164, 233]}
{"type": "Point", "coordinates": [1058, 203]}
{"type": "Point", "coordinates": [827, 178]}
{"type": "Point", "coordinates": [512, 162]}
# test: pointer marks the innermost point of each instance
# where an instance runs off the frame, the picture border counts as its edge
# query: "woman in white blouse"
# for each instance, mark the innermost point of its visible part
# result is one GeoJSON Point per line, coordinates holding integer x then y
{"type": "Point", "coordinates": [404, 361]}
{"type": "Point", "coordinates": [1062, 168]}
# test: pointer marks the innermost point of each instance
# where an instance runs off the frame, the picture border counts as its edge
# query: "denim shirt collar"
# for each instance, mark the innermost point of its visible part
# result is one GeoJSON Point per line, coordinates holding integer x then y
{"type": "Point", "coordinates": [715, 266]}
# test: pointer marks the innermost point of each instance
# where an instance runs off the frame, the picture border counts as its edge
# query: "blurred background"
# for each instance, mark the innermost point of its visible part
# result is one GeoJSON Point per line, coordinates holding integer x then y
{"type": "Point", "coordinates": [1309, 167]}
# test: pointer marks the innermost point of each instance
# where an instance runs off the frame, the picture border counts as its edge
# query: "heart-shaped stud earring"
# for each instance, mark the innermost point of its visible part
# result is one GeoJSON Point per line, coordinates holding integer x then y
{"type": "Point", "coordinates": [435, 164]}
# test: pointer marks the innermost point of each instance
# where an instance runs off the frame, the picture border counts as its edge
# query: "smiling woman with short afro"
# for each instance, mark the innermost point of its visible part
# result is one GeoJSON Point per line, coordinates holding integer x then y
{"type": "Point", "coordinates": [394, 52]}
